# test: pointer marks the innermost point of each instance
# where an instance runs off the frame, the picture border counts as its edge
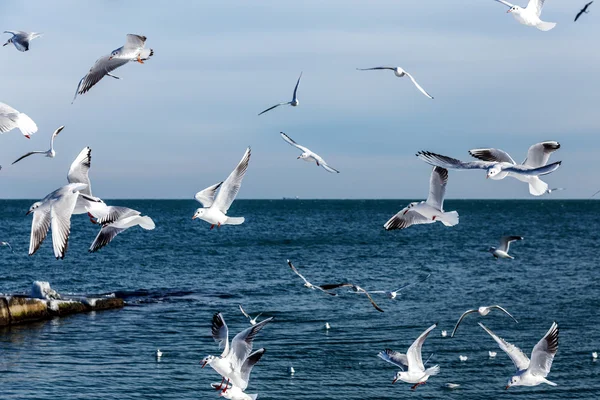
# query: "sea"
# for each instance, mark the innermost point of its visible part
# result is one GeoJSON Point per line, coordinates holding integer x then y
{"type": "Point", "coordinates": [176, 277]}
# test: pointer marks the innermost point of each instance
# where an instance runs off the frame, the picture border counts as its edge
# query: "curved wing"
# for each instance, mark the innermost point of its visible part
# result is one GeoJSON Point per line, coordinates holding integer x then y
{"type": "Point", "coordinates": [328, 168]}
{"type": "Point", "coordinates": [525, 170]}
{"type": "Point", "coordinates": [104, 237]}
{"type": "Point", "coordinates": [405, 218]}
{"type": "Point", "coordinates": [60, 214]}
{"type": "Point", "coordinates": [270, 108]}
{"type": "Point", "coordinates": [27, 155]}
{"type": "Point", "coordinates": [505, 242]}
{"type": "Point", "coordinates": [11, 118]}
{"type": "Point", "coordinates": [247, 366]}
{"type": "Point", "coordinates": [232, 184]}
{"type": "Point", "coordinates": [539, 154]}
{"type": "Point", "coordinates": [460, 320]}
{"type": "Point", "coordinates": [580, 13]}
{"type": "Point", "coordinates": [437, 188]}
{"type": "Point", "coordinates": [241, 345]}
{"type": "Point", "coordinates": [418, 86]}
{"type": "Point", "coordinates": [495, 155]}
{"type": "Point", "coordinates": [505, 312]}
{"type": "Point", "coordinates": [134, 42]}
{"type": "Point", "coordinates": [244, 312]}
{"type": "Point", "coordinates": [372, 301]}
{"type": "Point", "coordinates": [108, 215]}
{"type": "Point", "coordinates": [78, 172]}
{"type": "Point", "coordinates": [220, 333]}
{"type": "Point", "coordinates": [415, 362]}
{"type": "Point", "coordinates": [544, 351]}
{"type": "Point", "coordinates": [375, 68]}
{"type": "Point", "coordinates": [103, 66]}
{"type": "Point", "coordinates": [206, 197]}
{"type": "Point", "coordinates": [393, 357]}
{"type": "Point", "coordinates": [55, 134]}
{"type": "Point", "coordinates": [438, 160]}
{"type": "Point", "coordinates": [293, 143]}
{"type": "Point", "coordinates": [296, 88]}
{"type": "Point", "coordinates": [536, 6]}
{"type": "Point", "coordinates": [39, 229]}
{"type": "Point", "coordinates": [516, 355]}
{"type": "Point", "coordinates": [298, 273]}
{"type": "Point", "coordinates": [506, 3]}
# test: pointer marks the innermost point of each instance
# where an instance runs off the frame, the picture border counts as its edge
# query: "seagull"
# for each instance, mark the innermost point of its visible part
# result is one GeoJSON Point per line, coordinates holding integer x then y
{"type": "Point", "coordinates": [355, 288]}
{"type": "Point", "coordinates": [530, 15]}
{"type": "Point", "coordinates": [158, 354]}
{"type": "Point", "coordinates": [252, 320]}
{"type": "Point", "coordinates": [21, 39]}
{"type": "Point", "coordinates": [595, 194]}
{"type": "Point", "coordinates": [237, 393]}
{"type": "Point", "coordinates": [534, 372]}
{"type": "Point", "coordinates": [392, 295]}
{"type": "Point", "coordinates": [595, 355]}
{"type": "Point", "coordinates": [133, 50]}
{"type": "Point", "coordinates": [78, 173]}
{"type": "Point", "coordinates": [429, 211]}
{"type": "Point", "coordinates": [554, 190]}
{"type": "Point", "coordinates": [115, 220]}
{"type": "Point", "coordinates": [327, 326]}
{"type": "Point", "coordinates": [307, 283]}
{"type": "Point", "coordinates": [483, 311]}
{"type": "Point", "coordinates": [308, 155]}
{"type": "Point", "coordinates": [48, 153]}
{"type": "Point", "coordinates": [11, 119]}
{"type": "Point", "coordinates": [412, 361]}
{"type": "Point", "coordinates": [399, 72]}
{"type": "Point", "coordinates": [214, 209]}
{"type": "Point", "coordinates": [492, 354]}
{"type": "Point", "coordinates": [292, 103]}
{"type": "Point", "coordinates": [291, 371]}
{"type": "Point", "coordinates": [584, 10]}
{"type": "Point", "coordinates": [444, 333]}
{"type": "Point", "coordinates": [463, 358]}
{"type": "Point", "coordinates": [502, 251]}
{"type": "Point", "coordinates": [6, 244]}
{"type": "Point", "coordinates": [451, 385]}
{"type": "Point", "coordinates": [54, 211]}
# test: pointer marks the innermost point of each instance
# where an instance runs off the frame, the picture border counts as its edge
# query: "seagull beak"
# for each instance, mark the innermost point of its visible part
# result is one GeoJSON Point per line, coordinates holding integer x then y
{"type": "Point", "coordinates": [203, 363]}
{"type": "Point", "coordinates": [110, 58]}
{"type": "Point", "coordinates": [509, 10]}
{"type": "Point", "coordinates": [507, 386]}
{"type": "Point", "coordinates": [194, 216]}
{"type": "Point", "coordinates": [394, 381]}
{"type": "Point", "coordinates": [28, 136]}
{"type": "Point", "coordinates": [28, 212]}
{"type": "Point", "coordinates": [297, 158]}
{"type": "Point", "coordinates": [4, 44]}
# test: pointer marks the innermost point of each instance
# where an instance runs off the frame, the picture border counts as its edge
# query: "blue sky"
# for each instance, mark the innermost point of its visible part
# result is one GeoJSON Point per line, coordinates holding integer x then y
{"type": "Point", "coordinates": [182, 121]}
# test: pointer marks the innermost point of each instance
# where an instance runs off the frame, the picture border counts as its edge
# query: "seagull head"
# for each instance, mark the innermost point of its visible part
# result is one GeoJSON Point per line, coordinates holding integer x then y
{"type": "Point", "coordinates": [303, 156]}
{"type": "Point", "coordinates": [199, 213]}
{"type": "Point", "coordinates": [33, 207]}
{"type": "Point", "coordinates": [493, 171]}
{"type": "Point", "coordinates": [411, 205]}
{"type": "Point", "coordinates": [514, 9]}
{"type": "Point", "coordinates": [207, 360]}
{"type": "Point", "coordinates": [514, 381]}
{"type": "Point", "coordinates": [114, 54]}
{"type": "Point", "coordinates": [398, 376]}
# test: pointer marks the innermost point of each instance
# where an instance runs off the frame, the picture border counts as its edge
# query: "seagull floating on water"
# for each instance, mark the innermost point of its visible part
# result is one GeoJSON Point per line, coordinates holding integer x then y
{"type": "Point", "coordinates": [534, 372]}
{"type": "Point", "coordinates": [451, 385]}
{"type": "Point", "coordinates": [400, 73]}
{"type": "Point", "coordinates": [444, 333]}
{"type": "Point", "coordinates": [428, 211]}
{"type": "Point", "coordinates": [11, 119]}
{"type": "Point", "coordinates": [355, 288]}
{"type": "Point", "coordinates": [158, 354]}
{"type": "Point", "coordinates": [584, 10]}
{"type": "Point", "coordinates": [463, 358]}
{"type": "Point", "coordinates": [530, 15]}
{"type": "Point", "coordinates": [252, 320]}
{"type": "Point", "coordinates": [492, 354]}
{"type": "Point", "coordinates": [483, 311]}
{"type": "Point", "coordinates": [327, 326]}
{"type": "Point", "coordinates": [115, 220]}
{"type": "Point", "coordinates": [21, 39]}
{"type": "Point", "coordinates": [48, 153]}
{"type": "Point", "coordinates": [595, 355]}
{"type": "Point", "coordinates": [295, 102]}
{"type": "Point", "coordinates": [308, 155]}
{"type": "Point", "coordinates": [392, 295]}
{"type": "Point", "coordinates": [291, 371]}
{"type": "Point", "coordinates": [502, 251]}
{"type": "Point", "coordinates": [306, 282]}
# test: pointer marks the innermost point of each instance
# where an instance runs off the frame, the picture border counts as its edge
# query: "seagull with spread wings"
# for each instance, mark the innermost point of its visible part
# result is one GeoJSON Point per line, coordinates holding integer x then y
{"type": "Point", "coordinates": [308, 155]}
{"type": "Point", "coordinates": [394, 293]}
{"type": "Point", "coordinates": [584, 10]}
{"type": "Point", "coordinates": [21, 39]}
{"type": "Point", "coordinates": [530, 15]}
{"type": "Point", "coordinates": [354, 288]}
{"type": "Point", "coordinates": [502, 251]}
{"type": "Point", "coordinates": [483, 311]}
{"type": "Point", "coordinates": [294, 103]}
{"type": "Point", "coordinates": [115, 220]}
{"type": "Point", "coordinates": [400, 73]}
{"type": "Point", "coordinates": [252, 320]}
{"type": "Point", "coordinates": [48, 153]}
{"type": "Point", "coordinates": [306, 282]}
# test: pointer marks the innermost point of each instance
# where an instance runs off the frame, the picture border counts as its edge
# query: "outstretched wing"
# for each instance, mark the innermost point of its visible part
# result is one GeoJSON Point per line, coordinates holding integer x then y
{"type": "Point", "coordinates": [293, 143]}
{"type": "Point", "coordinates": [494, 155]}
{"type": "Point", "coordinates": [405, 218]}
{"type": "Point", "coordinates": [27, 155]}
{"type": "Point", "coordinates": [39, 229]}
{"type": "Point", "coordinates": [244, 312]}
{"type": "Point", "coordinates": [438, 160]}
{"type": "Point", "coordinates": [539, 154]}
{"type": "Point", "coordinates": [505, 242]}
{"type": "Point", "coordinates": [78, 172]}
{"type": "Point", "coordinates": [372, 301]}
{"type": "Point", "coordinates": [374, 68]}
{"type": "Point", "coordinates": [241, 345]}
{"type": "Point", "coordinates": [248, 365]}
{"type": "Point", "coordinates": [296, 88]}
{"type": "Point", "coordinates": [329, 169]}
{"type": "Point", "coordinates": [418, 86]}
{"type": "Point", "coordinates": [460, 320]}
{"type": "Point", "coordinates": [270, 108]}
{"type": "Point", "coordinates": [103, 66]}
{"type": "Point", "coordinates": [506, 3]}
{"type": "Point", "coordinates": [536, 6]}
{"type": "Point", "coordinates": [220, 332]}
{"type": "Point", "coordinates": [232, 184]}
{"type": "Point", "coordinates": [516, 355]}
{"type": "Point", "coordinates": [104, 237]}
{"type": "Point", "coordinates": [544, 351]}
{"type": "Point", "coordinates": [415, 362]}
{"type": "Point", "coordinates": [133, 42]}
{"type": "Point", "coordinates": [206, 197]}
{"type": "Point", "coordinates": [505, 312]}
{"type": "Point", "coordinates": [393, 357]}
{"type": "Point", "coordinates": [437, 188]}
{"type": "Point", "coordinates": [525, 170]}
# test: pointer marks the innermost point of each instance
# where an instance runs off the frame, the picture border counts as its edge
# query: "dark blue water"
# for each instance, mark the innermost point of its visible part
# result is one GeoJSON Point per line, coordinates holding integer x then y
{"type": "Point", "coordinates": [175, 277]}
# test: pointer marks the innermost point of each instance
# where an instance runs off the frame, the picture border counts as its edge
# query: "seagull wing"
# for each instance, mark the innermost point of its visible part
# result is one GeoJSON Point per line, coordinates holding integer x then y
{"type": "Point", "coordinates": [328, 168]}
{"type": "Point", "coordinates": [405, 218]}
{"type": "Point", "coordinates": [298, 273]}
{"type": "Point", "coordinates": [134, 42]}
{"type": "Point", "coordinates": [505, 312]}
{"type": "Point", "coordinates": [244, 312]}
{"type": "Point", "coordinates": [78, 172]}
{"type": "Point", "coordinates": [241, 345]}
{"type": "Point", "coordinates": [296, 88]}
{"type": "Point", "coordinates": [506, 3]}
{"type": "Point", "coordinates": [335, 286]}
{"type": "Point", "coordinates": [415, 362]}
{"type": "Point", "coordinates": [232, 184]}
{"type": "Point", "coordinates": [220, 333]}
{"type": "Point", "coordinates": [437, 188]}
{"type": "Point", "coordinates": [374, 68]}
{"type": "Point", "coordinates": [247, 366]}
{"type": "Point", "coordinates": [61, 222]}
{"type": "Point", "coordinates": [372, 301]}
{"type": "Point", "coordinates": [11, 118]}
{"type": "Point", "coordinates": [105, 236]}
{"type": "Point", "coordinates": [103, 66]}
{"type": "Point", "coordinates": [39, 229]}
{"type": "Point", "coordinates": [270, 108]}
{"type": "Point", "coordinates": [580, 13]}
{"type": "Point", "coordinates": [460, 320]}
{"type": "Point", "coordinates": [418, 86]}
{"type": "Point", "coordinates": [206, 197]}
{"type": "Point", "coordinates": [506, 240]}
{"type": "Point", "coordinates": [516, 355]}
{"type": "Point", "coordinates": [539, 153]}
{"type": "Point", "coordinates": [494, 155]}
{"type": "Point", "coordinates": [293, 143]}
{"type": "Point", "coordinates": [438, 160]}
{"type": "Point", "coordinates": [525, 170]}
{"type": "Point", "coordinates": [544, 351]}
{"type": "Point", "coordinates": [27, 155]}
{"type": "Point", "coordinates": [393, 357]}
{"type": "Point", "coordinates": [536, 6]}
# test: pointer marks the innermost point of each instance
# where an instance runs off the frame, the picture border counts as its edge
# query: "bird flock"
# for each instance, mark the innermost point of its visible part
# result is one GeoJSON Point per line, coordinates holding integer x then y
{"type": "Point", "coordinates": [237, 360]}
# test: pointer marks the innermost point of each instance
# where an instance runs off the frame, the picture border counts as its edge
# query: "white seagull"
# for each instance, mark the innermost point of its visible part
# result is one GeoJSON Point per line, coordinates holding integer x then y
{"type": "Point", "coordinates": [595, 355]}
{"type": "Point", "coordinates": [394, 293]}
{"type": "Point", "coordinates": [429, 211]}
{"type": "Point", "coordinates": [158, 354]}
{"type": "Point", "coordinates": [308, 155]}
{"type": "Point", "coordinates": [307, 283]}
{"type": "Point", "coordinates": [483, 311]}
{"type": "Point", "coordinates": [21, 39]}
{"type": "Point", "coordinates": [292, 103]}
{"type": "Point", "coordinates": [502, 251]}
{"type": "Point", "coordinates": [79, 173]}
{"type": "Point", "coordinates": [11, 119]}
{"type": "Point", "coordinates": [6, 244]}
{"type": "Point", "coordinates": [133, 50]}
{"type": "Point", "coordinates": [399, 72]}
{"type": "Point", "coordinates": [48, 153]}
{"type": "Point", "coordinates": [234, 392]}
{"type": "Point", "coordinates": [534, 372]}
{"type": "Point", "coordinates": [530, 15]}
{"type": "Point", "coordinates": [412, 361]}
{"type": "Point", "coordinates": [444, 333]}
{"type": "Point", "coordinates": [492, 354]}
{"type": "Point", "coordinates": [252, 320]}
{"type": "Point", "coordinates": [463, 358]}
{"type": "Point", "coordinates": [54, 211]}
{"type": "Point", "coordinates": [355, 288]}
{"type": "Point", "coordinates": [115, 220]}
{"type": "Point", "coordinates": [214, 210]}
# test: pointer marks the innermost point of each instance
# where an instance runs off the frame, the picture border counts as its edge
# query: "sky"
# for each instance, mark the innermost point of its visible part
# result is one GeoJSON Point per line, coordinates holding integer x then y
{"type": "Point", "coordinates": [182, 121]}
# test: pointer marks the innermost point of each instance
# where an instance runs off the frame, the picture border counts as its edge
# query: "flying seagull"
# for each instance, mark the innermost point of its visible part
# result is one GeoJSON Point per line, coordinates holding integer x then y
{"type": "Point", "coordinates": [214, 210]}
{"type": "Point", "coordinates": [48, 153]}
{"type": "Point", "coordinates": [355, 288]}
{"type": "Point", "coordinates": [307, 283]}
{"type": "Point", "coordinates": [6, 244]}
{"type": "Point", "coordinates": [584, 10]}
{"type": "Point", "coordinates": [534, 372]}
{"type": "Point", "coordinates": [399, 72]}
{"type": "Point", "coordinates": [11, 119]}
{"type": "Point", "coordinates": [115, 220]}
{"type": "Point", "coordinates": [429, 211]}
{"type": "Point", "coordinates": [252, 320]}
{"type": "Point", "coordinates": [133, 50]}
{"type": "Point", "coordinates": [411, 363]}
{"type": "Point", "coordinates": [530, 15]}
{"type": "Point", "coordinates": [502, 251]}
{"type": "Point", "coordinates": [292, 103]}
{"type": "Point", "coordinates": [308, 155]}
{"type": "Point", "coordinates": [483, 311]}
{"type": "Point", "coordinates": [21, 39]}
{"type": "Point", "coordinates": [394, 293]}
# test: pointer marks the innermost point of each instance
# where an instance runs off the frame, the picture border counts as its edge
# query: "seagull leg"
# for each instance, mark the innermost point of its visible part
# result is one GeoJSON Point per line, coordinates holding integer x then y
{"type": "Point", "coordinates": [211, 227]}
{"type": "Point", "coordinates": [221, 384]}
{"type": "Point", "coordinates": [226, 386]}
{"type": "Point", "coordinates": [92, 219]}
{"type": "Point", "coordinates": [219, 225]}
{"type": "Point", "coordinates": [139, 60]}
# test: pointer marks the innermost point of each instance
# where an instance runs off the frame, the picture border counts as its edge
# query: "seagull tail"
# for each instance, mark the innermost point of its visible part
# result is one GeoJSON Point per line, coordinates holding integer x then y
{"type": "Point", "coordinates": [449, 218]}
{"type": "Point", "coordinates": [235, 221]}
{"type": "Point", "coordinates": [537, 187]}
{"type": "Point", "coordinates": [433, 370]}
{"type": "Point", "coordinates": [546, 26]}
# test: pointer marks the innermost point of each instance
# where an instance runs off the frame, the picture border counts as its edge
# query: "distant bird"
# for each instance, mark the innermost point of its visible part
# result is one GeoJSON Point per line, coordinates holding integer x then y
{"type": "Point", "coordinates": [502, 251]}
{"type": "Point", "coordinates": [492, 354]}
{"type": "Point", "coordinates": [355, 288]}
{"type": "Point", "coordinates": [11, 119]}
{"type": "Point", "coordinates": [6, 244]}
{"type": "Point", "coordinates": [399, 72]}
{"type": "Point", "coordinates": [115, 220]}
{"type": "Point", "coordinates": [444, 333]}
{"type": "Point", "coordinates": [451, 385]}
{"type": "Point", "coordinates": [595, 355]}
{"type": "Point", "coordinates": [252, 320]}
{"type": "Point", "coordinates": [214, 210]}
{"type": "Point", "coordinates": [530, 15]}
{"type": "Point", "coordinates": [392, 295]}
{"type": "Point", "coordinates": [133, 50]}
{"type": "Point", "coordinates": [291, 371]}
{"type": "Point", "coordinates": [412, 361]}
{"type": "Point", "coordinates": [295, 102]}
{"type": "Point", "coordinates": [554, 190]}
{"type": "Point", "coordinates": [48, 153]}
{"type": "Point", "coordinates": [21, 39]}
{"type": "Point", "coordinates": [327, 326]}
{"type": "Point", "coordinates": [463, 358]}
{"type": "Point", "coordinates": [428, 211]}
{"type": "Point", "coordinates": [158, 354]}
{"type": "Point", "coordinates": [595, 194]}
{"type": "Point", "coordinates": [307, 283]}
{"type": "Point", "coordinates": [584, 10]}
{"type": "Point", "coordinates": [308, 155]}
{"type": "Point", "coordinates": [534, 372]}
{"type": "Point", "coordinates": [483, 311]}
